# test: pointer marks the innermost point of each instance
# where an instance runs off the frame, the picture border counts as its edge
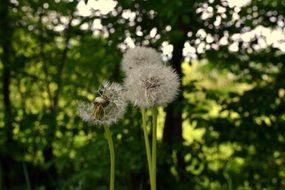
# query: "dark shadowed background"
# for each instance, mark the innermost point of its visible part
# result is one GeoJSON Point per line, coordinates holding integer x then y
{"type": "Point", "coordinates": [225, 131]}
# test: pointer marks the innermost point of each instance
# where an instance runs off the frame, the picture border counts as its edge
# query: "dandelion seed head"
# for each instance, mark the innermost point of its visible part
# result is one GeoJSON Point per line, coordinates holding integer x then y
{"type": "Point", "coordinates": [107, 108]}
{"type": "Point", "coordinates": [140, 56]}
{"type": "Point", "coordinates": [152, 85]}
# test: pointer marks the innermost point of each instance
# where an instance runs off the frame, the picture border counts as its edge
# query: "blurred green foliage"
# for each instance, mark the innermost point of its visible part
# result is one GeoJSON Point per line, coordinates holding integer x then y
{"type": "Point", "coordinates": [232, 102]}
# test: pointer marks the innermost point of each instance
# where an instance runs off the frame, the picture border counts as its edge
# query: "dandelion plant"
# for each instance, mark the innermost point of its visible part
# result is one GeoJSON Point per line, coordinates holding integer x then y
{"type": "Point", "coordinates": [149, 84]}
{"type": "Point", "coordinates": [107, 108]}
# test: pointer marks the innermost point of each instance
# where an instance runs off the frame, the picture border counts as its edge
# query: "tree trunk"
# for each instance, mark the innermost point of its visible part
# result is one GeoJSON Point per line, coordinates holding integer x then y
{"type": "Point", "coordinates": [172, 133]}
{"type": "Point", "coordinates": [6, 34]}
{"type": "Point", "coordinates": [48, 151]}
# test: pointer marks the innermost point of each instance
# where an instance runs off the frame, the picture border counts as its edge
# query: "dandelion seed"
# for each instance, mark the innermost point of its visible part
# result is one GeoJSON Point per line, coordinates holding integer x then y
{"type": "Point", "coordinates": [152, 85]}
{"type": "Point", "coordinates": [107, 108]}
{"type": "Point", "coordinates": [140, 56]}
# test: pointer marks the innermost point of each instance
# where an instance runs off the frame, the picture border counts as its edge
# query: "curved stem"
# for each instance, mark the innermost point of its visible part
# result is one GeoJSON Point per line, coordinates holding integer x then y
{"type": "Point", "coordinates": [112, 157]}
{"type": "Point", "coordinates": [154, 146]}
{"type": "Point", "coordinates": [147, 145]}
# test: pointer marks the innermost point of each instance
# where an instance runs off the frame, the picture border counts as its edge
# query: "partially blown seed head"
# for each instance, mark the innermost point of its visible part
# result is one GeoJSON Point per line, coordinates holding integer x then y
{"type": "Point", "coordinates": [152, 85]}
{"type": "Point", "coordinates": [107, 108]}
{"type": "Point", "coordinates": [140, 56]}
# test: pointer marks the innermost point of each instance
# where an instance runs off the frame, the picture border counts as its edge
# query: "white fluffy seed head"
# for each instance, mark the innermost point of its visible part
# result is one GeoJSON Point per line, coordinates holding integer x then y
{"type": "Point", "coordinates": [140, 56]}
{"type": "Point", "coordinates": [107, 108]}
{"type": "Point", "coordinates": [152, 85]}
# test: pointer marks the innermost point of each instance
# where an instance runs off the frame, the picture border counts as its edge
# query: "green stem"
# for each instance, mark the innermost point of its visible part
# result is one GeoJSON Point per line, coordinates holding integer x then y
{"type": "Point", "coordinates": [154, 139]}
{"type": "Point", "coordinates": [27, 176]}
{"type": "Point", "coordinates": [147, 145]}
{"type": "Point", "coordinates": [112, 157]}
